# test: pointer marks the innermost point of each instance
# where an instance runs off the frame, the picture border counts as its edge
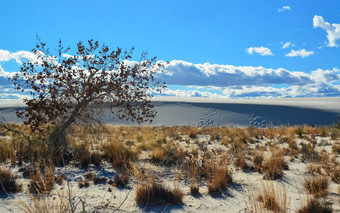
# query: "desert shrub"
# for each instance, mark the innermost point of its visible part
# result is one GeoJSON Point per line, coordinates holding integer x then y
{"type": "Point", "coordinates": [150, 192]}
{"type": "Point", "coordinates": [273, 166]}
{"type": "Point", "coordinates": [318, 186]}
{"type": "Point", "coordinates": [314, 206]}
{"type": "Point", "coordinates": [8, 182]}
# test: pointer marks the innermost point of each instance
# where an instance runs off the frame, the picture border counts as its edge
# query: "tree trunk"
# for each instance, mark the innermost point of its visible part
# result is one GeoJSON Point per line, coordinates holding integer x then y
{"type": "Point", "coordinates": [57, 138]}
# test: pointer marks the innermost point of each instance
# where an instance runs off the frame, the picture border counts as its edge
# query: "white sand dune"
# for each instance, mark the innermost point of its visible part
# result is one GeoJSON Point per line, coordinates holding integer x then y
{"type": "Point", "coordinates": [172, 111]}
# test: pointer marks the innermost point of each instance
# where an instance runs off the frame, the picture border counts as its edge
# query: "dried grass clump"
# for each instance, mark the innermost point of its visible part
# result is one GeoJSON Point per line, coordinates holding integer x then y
{"type": "Point", "coordinates": [336, 148]}
{"type": "Point", "coordinates": [308, 152]}
{"type": "Point", "coordinates": [314, 206]}
{"type": "Point", "coordinates": [121, 180]}
{"type": "Point", "coordinates": [274, 166]}
{"type": "Point", "coordinates": [318, 186]}
{"type": "Point", "coordinates": [258, 160]}
{"type": "Point", "coordinates": [168, 154]}
{"type": "Point", "coordinates": [158, 154]}
{"type": "Point", "coordinates": [269, 200]}
{"type": "Point", "coordinates": [119, 155]}
{"type": "Point", "coordinates": [336, 174]}
{"type": "Point", "coordinates": [150, 192]}
{"type": "Point", "coordinates": [314, 169]}
{"type": "Point", "coordinates": [42, 181]}
{"type": "Point", "coordinates": [82, 154]}
{"type": "Point", "coordinates": [7, 150]}
{"type": "Point", "coordinates": [218, 179]}
{"type": "Point", "coordinates": [8, 182]}
{"type": "Point", "coordinates": [48, 203]}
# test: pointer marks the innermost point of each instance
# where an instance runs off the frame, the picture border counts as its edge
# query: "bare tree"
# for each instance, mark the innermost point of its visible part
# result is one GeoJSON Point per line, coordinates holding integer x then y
{"type": "Point", "coordinates": [66, 88]}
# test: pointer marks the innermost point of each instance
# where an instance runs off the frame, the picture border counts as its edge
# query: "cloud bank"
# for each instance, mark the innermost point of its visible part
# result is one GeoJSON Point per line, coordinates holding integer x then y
{"type": "Point", "coordinates": [216, 80]}
{"type": "Point", "coordinates": [333, 30]}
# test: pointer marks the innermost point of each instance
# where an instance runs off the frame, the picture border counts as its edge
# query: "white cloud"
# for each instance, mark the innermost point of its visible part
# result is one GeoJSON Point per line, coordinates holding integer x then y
{"type": "Point", "coordinates": [5, 55]}
{"type": "Point", "coordinates": [287, 45]}
{"type": "Point", "coordinates": [284, 8]}
{"type": "Point", "coordinates": [326, 76]}
{"type": "Point", "coordinates": [260, 50]}
{"type": "Point", "coordinates": [302, 53]}
{"type": "Point", "coordinates": [333, 30]}
{"type": "Point", "coordinates": [185, 73]}
{"type": "Point", "coordinates": [20, 56]}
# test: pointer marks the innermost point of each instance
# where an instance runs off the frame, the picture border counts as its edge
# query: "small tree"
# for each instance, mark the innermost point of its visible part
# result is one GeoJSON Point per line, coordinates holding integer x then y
{"type": "Point", "coordinates": [65, 89]}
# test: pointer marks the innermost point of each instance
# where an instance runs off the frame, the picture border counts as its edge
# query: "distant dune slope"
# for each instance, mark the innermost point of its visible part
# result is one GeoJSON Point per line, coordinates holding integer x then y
{"type": "Point", "coordinates": [208, 112]}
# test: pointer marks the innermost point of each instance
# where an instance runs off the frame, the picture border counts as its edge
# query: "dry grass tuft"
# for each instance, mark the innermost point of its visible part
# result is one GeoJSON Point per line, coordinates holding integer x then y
{"type": "Point", "coordinates": [336, 174]}
{"type": "Point", "coordinates": [314, 206]}
{"type": "Point", "coordinates": [257, 160]}
{"type": "Point", "coordinates": [150, 192]}
{"type": "Point", "coordinates": [42, 181]}
{"type": "Point", "coordinates": [119, 155]}
{"type": "Point", "coordinates": [318, 186]}
{"type": "Point", "coordinates": [274, 166]}
{"type": "Point", "coordinates": [218, 178]}
{"type": "Point", "coordinates": [121, 180]}
{"type": "Point", "coordinates": [270, 199]}
{"type": "Point", "coordinates": [46, 204]}
{"type": "Point", "coordinates": [8, 182]}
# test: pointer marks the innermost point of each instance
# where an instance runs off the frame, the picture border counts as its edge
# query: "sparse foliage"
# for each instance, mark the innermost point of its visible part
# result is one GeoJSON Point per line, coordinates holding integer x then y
{"type": "Point", "coordinates": [65, 88]}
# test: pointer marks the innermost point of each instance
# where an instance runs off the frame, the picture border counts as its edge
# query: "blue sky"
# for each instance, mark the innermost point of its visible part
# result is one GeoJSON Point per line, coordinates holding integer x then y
{"type": "Point", "coordinates": [228, 49]}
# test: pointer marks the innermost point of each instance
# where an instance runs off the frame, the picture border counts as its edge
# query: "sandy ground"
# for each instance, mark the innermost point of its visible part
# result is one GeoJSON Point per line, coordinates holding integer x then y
{"type": "Point", "coordinates": [237, 197]}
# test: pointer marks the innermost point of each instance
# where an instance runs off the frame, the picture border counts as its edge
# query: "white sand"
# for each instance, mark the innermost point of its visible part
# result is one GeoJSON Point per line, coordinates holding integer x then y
{"type": "Point", "coordinates": [173, 111]}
